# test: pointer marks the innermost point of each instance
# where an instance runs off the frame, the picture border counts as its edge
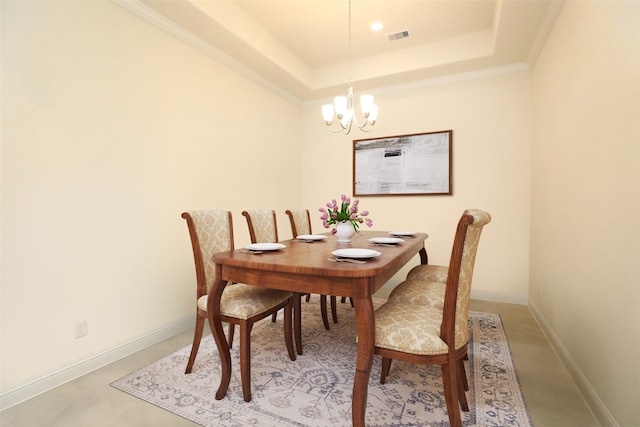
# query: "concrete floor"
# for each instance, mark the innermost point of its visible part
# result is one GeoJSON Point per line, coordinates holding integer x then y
{"type": "Point", "coordinates": [553, 399]}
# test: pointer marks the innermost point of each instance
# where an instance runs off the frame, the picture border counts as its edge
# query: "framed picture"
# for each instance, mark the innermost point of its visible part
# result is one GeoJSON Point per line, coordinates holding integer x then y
{"type": "Point", "coordinates": [418, 164]}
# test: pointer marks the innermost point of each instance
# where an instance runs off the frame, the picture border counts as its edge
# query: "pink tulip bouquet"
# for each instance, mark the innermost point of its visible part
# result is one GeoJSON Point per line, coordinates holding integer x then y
{"type": "Point", "coordinates": [345, 212]}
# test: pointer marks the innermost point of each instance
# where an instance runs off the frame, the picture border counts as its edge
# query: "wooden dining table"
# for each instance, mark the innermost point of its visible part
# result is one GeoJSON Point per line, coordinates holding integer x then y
{"type": "Point", "coordinates": [305, 267]}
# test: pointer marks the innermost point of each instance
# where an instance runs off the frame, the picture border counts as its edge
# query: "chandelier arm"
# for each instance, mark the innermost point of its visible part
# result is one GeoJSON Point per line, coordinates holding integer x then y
{"type": "Point", "coordinates": [364, 127]}
{"type": "Point", "coordinates": [341, 129]}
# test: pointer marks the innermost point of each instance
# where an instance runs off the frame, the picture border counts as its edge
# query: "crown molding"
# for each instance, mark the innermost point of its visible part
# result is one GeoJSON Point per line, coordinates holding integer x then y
{"type": "Point", "coordinates": [141, 10]}
{"type": "Point", "coordinates": [442, 81]}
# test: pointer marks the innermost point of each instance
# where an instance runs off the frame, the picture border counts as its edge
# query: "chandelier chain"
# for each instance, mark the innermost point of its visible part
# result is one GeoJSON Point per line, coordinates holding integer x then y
{"type": "Point", "coordinates": [350, 49]}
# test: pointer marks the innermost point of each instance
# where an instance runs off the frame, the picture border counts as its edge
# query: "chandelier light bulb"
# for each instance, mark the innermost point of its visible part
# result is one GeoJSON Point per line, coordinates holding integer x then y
{"type": "Point", "coordinates": [366, 102]}
{"type": "Point", "coordinates": [341, 105]}
{"type": "Point", "coordinates": [373, 114]}
{"type": "Point", "coordinates": [327, 113]}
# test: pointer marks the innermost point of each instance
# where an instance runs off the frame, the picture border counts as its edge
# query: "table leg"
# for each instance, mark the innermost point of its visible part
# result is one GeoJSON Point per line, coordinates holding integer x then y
{"type": "Point", "coordinates": [365, 322]}
{"type": "Point", "coordinates": [424, 257]}
{"type": "Point", "coordinates": [215, 324]}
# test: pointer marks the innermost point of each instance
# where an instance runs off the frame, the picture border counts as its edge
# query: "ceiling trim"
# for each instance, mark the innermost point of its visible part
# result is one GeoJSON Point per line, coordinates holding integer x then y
{"type": "Point", "coordinates": [545, 29]}
{"type": "Point", "coordinates": [521, 67]}
{"type": "Point", "coordinates": [150, 15]}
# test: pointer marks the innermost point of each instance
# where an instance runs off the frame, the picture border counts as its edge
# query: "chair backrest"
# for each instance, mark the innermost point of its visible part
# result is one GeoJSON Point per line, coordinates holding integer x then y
{"type": "Point", "coordinates": [300, 221]}
{"type": "Point", "coordinates": [211, 232]}
{"type": "Point", "coordinates": [458, 290]}
{"type": "Point", "coordinates": [262, 225]}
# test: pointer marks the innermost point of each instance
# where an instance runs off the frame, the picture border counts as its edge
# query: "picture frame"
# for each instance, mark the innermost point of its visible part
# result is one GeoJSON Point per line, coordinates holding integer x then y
{"type": "Point", "coordinates": [403, 165]}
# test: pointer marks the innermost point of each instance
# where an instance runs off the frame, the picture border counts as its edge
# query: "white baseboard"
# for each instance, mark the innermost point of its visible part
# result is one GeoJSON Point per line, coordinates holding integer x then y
{"type": "Point", "coordinates": [52, 379]}
{"type": "Point", "coordinates": [499, 297]}
{"type": "Point", "coordinates": [594, 402]}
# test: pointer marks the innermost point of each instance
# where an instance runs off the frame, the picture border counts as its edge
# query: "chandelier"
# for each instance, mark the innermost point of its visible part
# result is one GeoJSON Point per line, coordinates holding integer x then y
{"type": "Point", "coordinates": [344, 108]}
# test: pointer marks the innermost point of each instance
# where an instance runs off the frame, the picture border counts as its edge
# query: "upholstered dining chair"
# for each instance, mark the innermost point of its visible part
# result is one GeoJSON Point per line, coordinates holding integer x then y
{"type": "Point", "coordinates": [263, 228]}
{"type": "Point", "coordinates": [301, 224]}
{"type": "Point", "coordinates": [425, 334]}
{"type": "Point", "coordinates": [212, 232]}
{"type": "Point", "coordinates": [425, 284]}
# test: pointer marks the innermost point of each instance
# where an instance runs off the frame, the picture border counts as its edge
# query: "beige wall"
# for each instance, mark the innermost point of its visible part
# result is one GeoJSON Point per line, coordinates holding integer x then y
{"type": "Point", "coordinates": [585, 238]}
{"type": "Point", "coordinates": [110, 129]}
{"type": "Point", "coordinates": [490, 118]}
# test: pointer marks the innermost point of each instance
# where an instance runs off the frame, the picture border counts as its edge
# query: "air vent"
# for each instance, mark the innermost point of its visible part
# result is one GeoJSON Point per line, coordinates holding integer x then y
{"type": "Point", "coordinates": [397, 36]}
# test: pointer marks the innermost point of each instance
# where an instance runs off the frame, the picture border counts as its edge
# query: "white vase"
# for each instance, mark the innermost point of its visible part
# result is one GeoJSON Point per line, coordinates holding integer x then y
{"type": "Point", "coordinates": [344, 232]}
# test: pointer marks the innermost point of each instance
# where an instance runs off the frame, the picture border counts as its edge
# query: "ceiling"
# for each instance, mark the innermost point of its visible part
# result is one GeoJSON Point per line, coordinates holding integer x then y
{"type": "Point", "coordinates": [300, 48]}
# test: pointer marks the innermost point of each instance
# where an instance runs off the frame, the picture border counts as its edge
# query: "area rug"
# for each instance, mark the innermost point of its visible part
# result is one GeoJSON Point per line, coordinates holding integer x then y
{"type": "Point", "coordinates": [315, 390]}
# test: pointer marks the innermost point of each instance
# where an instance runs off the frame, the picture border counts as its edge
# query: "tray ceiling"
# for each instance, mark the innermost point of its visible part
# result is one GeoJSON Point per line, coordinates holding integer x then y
{"type": "Point", "coordinates": [300, 47]}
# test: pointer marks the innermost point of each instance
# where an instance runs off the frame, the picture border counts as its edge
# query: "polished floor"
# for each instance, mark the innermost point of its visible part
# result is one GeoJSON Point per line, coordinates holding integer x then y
{"type": "Point", "coordinates": [551, 396]}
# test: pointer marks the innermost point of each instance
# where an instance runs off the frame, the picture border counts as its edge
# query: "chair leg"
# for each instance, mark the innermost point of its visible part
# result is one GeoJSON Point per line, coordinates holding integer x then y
{"type": "Point", "coordinates": [288, 338]}
{"type": "Point", "coordinates": [323, 311]}
{"type": "Point", "coordinates": [334, 310]}
{"type": "Point", "coordinates": [462, 397]}
{"type": "Point", "coordinates": [197, 336]}
{"type": "Point", "coordinates": [344, 299]}
{"type": "Point", "coordinates": [274, 316]}
{"type": "Point", "coordinates": [297, 321]}
{"type": "Point", "coordinates": [230, 333]}
{"type": "Point", "coordinates": [463, 374]}
{"type": "Point", "coordinates": [308, 297]}
{"type": "Point", "coordinates": [450, 382]}
{"type": "Point", "coordinates": [245, 359]}
{"type": "Point", "coordinates": [386, 366]}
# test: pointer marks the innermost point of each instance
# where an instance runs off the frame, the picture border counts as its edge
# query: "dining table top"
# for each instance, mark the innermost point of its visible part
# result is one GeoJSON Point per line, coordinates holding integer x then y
{"type": "Point", "coordinates": [315, 257]}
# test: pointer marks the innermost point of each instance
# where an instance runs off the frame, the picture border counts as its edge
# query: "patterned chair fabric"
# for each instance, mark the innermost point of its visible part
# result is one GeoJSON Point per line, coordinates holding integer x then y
{"type": "Point", "coordinates": [425, 285]}
{"type": "Point", "coordinates": [213, 231]}
{"type": "Point", "coordinates": [262, 225]}
{"type": "Point", "coordinates": [429, 273]}
{"type": "Point", "coordinates": [300, 223]}
{"type": "Point", "coordinates": [409, 328]}
{"type": "Point", "coordinates": [419, 292]}
{"type": "Point", "coordinates": [244, 301]}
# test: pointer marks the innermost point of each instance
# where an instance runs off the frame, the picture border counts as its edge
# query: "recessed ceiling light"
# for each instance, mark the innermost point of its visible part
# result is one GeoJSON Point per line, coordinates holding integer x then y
{"type": "Point", "coordinates": [377, 26]}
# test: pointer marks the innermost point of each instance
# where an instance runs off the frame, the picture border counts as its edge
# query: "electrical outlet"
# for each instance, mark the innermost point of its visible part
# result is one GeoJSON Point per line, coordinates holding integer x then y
{"type": "Point", "coordinates": [81, 329]}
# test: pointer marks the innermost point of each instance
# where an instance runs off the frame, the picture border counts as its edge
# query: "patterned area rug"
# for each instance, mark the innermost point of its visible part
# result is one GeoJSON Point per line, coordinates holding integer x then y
{"type": "Point", "coordinates": [315, 390]}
